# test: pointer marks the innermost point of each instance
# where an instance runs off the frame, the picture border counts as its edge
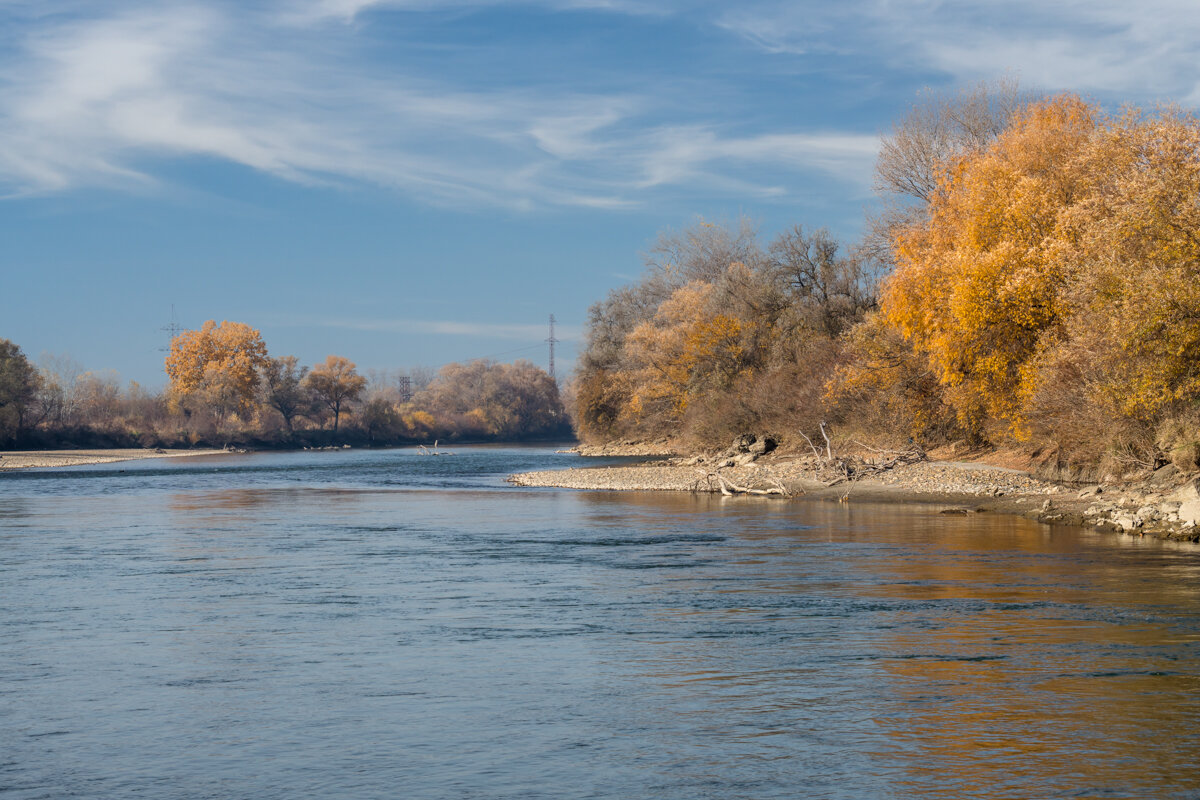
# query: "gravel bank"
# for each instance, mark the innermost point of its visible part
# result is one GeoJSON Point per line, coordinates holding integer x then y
{"type": "Point", "coordinates": [36, 459]}
{"type": "Point", "coordinates": [1169, 509]}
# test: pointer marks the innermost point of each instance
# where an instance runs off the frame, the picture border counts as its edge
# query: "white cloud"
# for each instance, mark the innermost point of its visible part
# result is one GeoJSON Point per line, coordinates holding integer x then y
{"type": "Point", "coordinates": [92, 101]}
{"type": "Point", "coordinates": [677, 155]}
{"type": "Point", "coordinates": [1143, 51]}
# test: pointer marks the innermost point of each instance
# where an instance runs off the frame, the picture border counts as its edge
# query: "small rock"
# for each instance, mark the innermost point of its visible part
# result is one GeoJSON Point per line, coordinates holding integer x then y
{"type": "Point", "coordinates": [1164, 476]}
{"type": "Point", "coordinates": [1189, 502]}
{"type": "Point", "coordinates": [1127, 522]}
{"type": "Point", "coordinates": [741, 444]}
{"type": "Point", "coordinates": [763, 446]}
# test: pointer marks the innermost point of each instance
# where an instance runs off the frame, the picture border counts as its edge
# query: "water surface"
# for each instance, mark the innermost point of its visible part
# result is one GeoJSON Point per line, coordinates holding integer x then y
{"type": "Point", "coordinates": [377, 624]}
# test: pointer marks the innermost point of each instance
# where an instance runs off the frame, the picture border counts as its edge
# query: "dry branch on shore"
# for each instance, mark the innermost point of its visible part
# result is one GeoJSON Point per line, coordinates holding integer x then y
{"type": "Point", "coordinates": [728, 488]}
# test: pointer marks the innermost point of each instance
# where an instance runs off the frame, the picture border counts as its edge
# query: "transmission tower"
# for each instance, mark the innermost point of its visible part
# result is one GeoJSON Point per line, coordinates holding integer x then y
{"type": "Point", "coordinates": [171, 330]}
{"type": "Point", "coordinates": [405, 382]}
{"type": "Point", "coordinates": [552, 341]}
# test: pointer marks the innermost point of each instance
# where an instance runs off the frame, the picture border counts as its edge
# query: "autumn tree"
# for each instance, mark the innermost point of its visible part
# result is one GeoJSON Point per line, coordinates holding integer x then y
{"type": "Point", "coordinates": [335, 384]}
{"type": "Point", "coordinates": [977, 287]}
{"type": "Point", "coordinates": [720, 336]}
{"type": "Point", "coordinates": [1051, 289]}
{"type": "Point", "coordinates": [283, 388]}
{"type": "Point", "coordinates": [218, 365]}
{"type": "Point", "coordinates": [1132, 247]}
{"type": "Point", "coordinates": [380, 419]}
{"type": "Point", "coordinates": [1122, 382]}
{"type": "Point", "coordinates": [504, 401]}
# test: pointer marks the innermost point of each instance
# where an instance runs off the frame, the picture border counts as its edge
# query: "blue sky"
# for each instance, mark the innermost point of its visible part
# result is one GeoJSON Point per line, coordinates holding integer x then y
{"type": "Point", "coordinates": [416, 182]}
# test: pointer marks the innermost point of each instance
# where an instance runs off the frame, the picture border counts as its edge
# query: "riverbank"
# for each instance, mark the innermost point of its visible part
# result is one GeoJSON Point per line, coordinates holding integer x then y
{"type": "Point", "coordinates": [1165, 505]}
{"type": "Point", "coordinates": [41, 459]}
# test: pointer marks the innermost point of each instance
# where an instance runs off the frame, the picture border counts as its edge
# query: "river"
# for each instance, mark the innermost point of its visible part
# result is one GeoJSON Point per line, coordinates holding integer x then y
{"type": "Point", "coordinates": [381, 624]}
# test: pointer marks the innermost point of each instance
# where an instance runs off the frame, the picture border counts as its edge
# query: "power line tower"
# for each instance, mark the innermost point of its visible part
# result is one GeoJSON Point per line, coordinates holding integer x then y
{"type": "Point", "coordinates": [405, 385]}
{"type": "Point", "coordinates": [552, 341]}
{"type": "Point", "coordinates": [171, 330]}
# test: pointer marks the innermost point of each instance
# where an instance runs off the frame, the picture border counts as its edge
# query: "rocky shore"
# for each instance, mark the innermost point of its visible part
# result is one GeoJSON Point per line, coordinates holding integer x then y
{"type": "Point", "coordinates": [1165, 504]}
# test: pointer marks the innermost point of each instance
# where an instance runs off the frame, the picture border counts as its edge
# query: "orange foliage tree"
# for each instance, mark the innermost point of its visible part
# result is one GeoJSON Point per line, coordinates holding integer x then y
{"type": "Point", "coordinates": [1053, 289]}
{"type": "Point", "coordinates": [335, 384]}
{"type": "Point", "coordinates": [979, 284]}
{"type": "Point", "coordinates": [218, 365]}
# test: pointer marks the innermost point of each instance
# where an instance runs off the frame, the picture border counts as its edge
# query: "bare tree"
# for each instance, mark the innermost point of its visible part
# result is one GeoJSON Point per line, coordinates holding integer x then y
{"type": "Point", "coordinates": [914, 157]}
{"type": "Point", "coordinates": [832, 291]}
{"type": "Point", "coordinates": [283, 388]}
{"type": "Point", "coordinates": [702, 251]}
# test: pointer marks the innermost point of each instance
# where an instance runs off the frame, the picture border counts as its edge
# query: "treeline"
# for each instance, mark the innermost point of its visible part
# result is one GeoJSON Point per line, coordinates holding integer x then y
{"type": "Point", "coordinates": [226, 389]}
{"type": "Point", "coordinates": [721, 336]}
{"type": "Point", "coordinates": [1034, 282]}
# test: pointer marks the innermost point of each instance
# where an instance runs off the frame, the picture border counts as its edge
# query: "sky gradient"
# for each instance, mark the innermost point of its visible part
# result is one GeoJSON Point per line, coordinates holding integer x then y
{"type": "Point", "coordinates": [410, 183]}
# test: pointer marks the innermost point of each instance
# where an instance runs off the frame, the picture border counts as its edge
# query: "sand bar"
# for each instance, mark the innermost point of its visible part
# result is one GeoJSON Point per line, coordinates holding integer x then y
{"type": "Point", "coordinates": [35, 459]}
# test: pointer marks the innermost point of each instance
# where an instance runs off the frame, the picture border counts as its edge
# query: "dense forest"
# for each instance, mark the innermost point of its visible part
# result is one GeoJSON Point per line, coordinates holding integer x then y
{"type": "Point", "coordinates": [1030, 280]}
{"type": "Point", "coordinates": [225, 389]}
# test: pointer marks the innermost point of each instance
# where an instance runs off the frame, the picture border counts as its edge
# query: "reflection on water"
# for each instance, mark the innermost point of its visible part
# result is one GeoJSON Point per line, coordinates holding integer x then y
{"type": "Point", "coordinates": [375, 624]}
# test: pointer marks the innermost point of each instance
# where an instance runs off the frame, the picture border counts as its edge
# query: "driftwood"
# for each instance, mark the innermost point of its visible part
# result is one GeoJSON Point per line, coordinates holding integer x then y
{"type": "Point", "coordinates": [832, 470]}
{"type": "Point", "coordinates": [425, 451]}
{"type": "Point", "coordinates": [828, 446]}
{"type": "Point", "coordinates": [728, 488]}
{"type": "Point", "coordinates": [813, 447]}
{"type": "Point", "coordinates": [865, 467]}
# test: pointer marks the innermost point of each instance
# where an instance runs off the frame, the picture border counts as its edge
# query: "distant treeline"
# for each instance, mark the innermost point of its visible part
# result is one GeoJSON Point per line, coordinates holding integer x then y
{"type": "Point", "coordinates": [1031, 280]}
{"type": "Point", "coordinates": [225, 389]}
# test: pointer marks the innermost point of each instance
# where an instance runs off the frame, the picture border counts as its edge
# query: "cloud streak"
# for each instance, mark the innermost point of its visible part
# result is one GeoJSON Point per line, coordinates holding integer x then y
{"type": "Point", "coordinates": [1143, 52]}
{"type": "Point", "coordinates": [513, 332]}
{"type": "Point", "coordinates": [100, 99]}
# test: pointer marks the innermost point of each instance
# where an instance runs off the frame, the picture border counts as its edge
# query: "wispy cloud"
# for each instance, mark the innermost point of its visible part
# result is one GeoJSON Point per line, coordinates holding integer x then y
{"type": "Point", "coordinates": [515, 332]}
{"type": "Point", "coordinates": [676, 155]}
{"type": "Point", "coordinates": [349, 10]}
{"type": "Point", "coordinates": [97, 100]}
{"type": "Point", "coordinates": [1144, 51]}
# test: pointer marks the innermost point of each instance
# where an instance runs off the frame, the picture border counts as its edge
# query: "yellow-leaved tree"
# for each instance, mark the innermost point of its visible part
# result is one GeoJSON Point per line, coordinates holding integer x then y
{"type": "Point", "coordinates": [217, 366]}
{"type": "Point", "coordinates": [335, 384]}
{"type": "Point", "coordinates": [979, 284]}
{"type": "Point", "coordinates": [1135, 246]}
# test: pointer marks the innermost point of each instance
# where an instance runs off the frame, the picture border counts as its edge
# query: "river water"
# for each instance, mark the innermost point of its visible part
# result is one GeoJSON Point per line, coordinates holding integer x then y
{"type": "Point", "coordinates": [379, 624]}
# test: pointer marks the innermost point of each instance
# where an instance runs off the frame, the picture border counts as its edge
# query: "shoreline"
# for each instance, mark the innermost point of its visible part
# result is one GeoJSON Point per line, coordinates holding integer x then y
{"type": "Point", "coordinates": [12, 460]}
{"type": "Point", "coordinates": [1165, 511]}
